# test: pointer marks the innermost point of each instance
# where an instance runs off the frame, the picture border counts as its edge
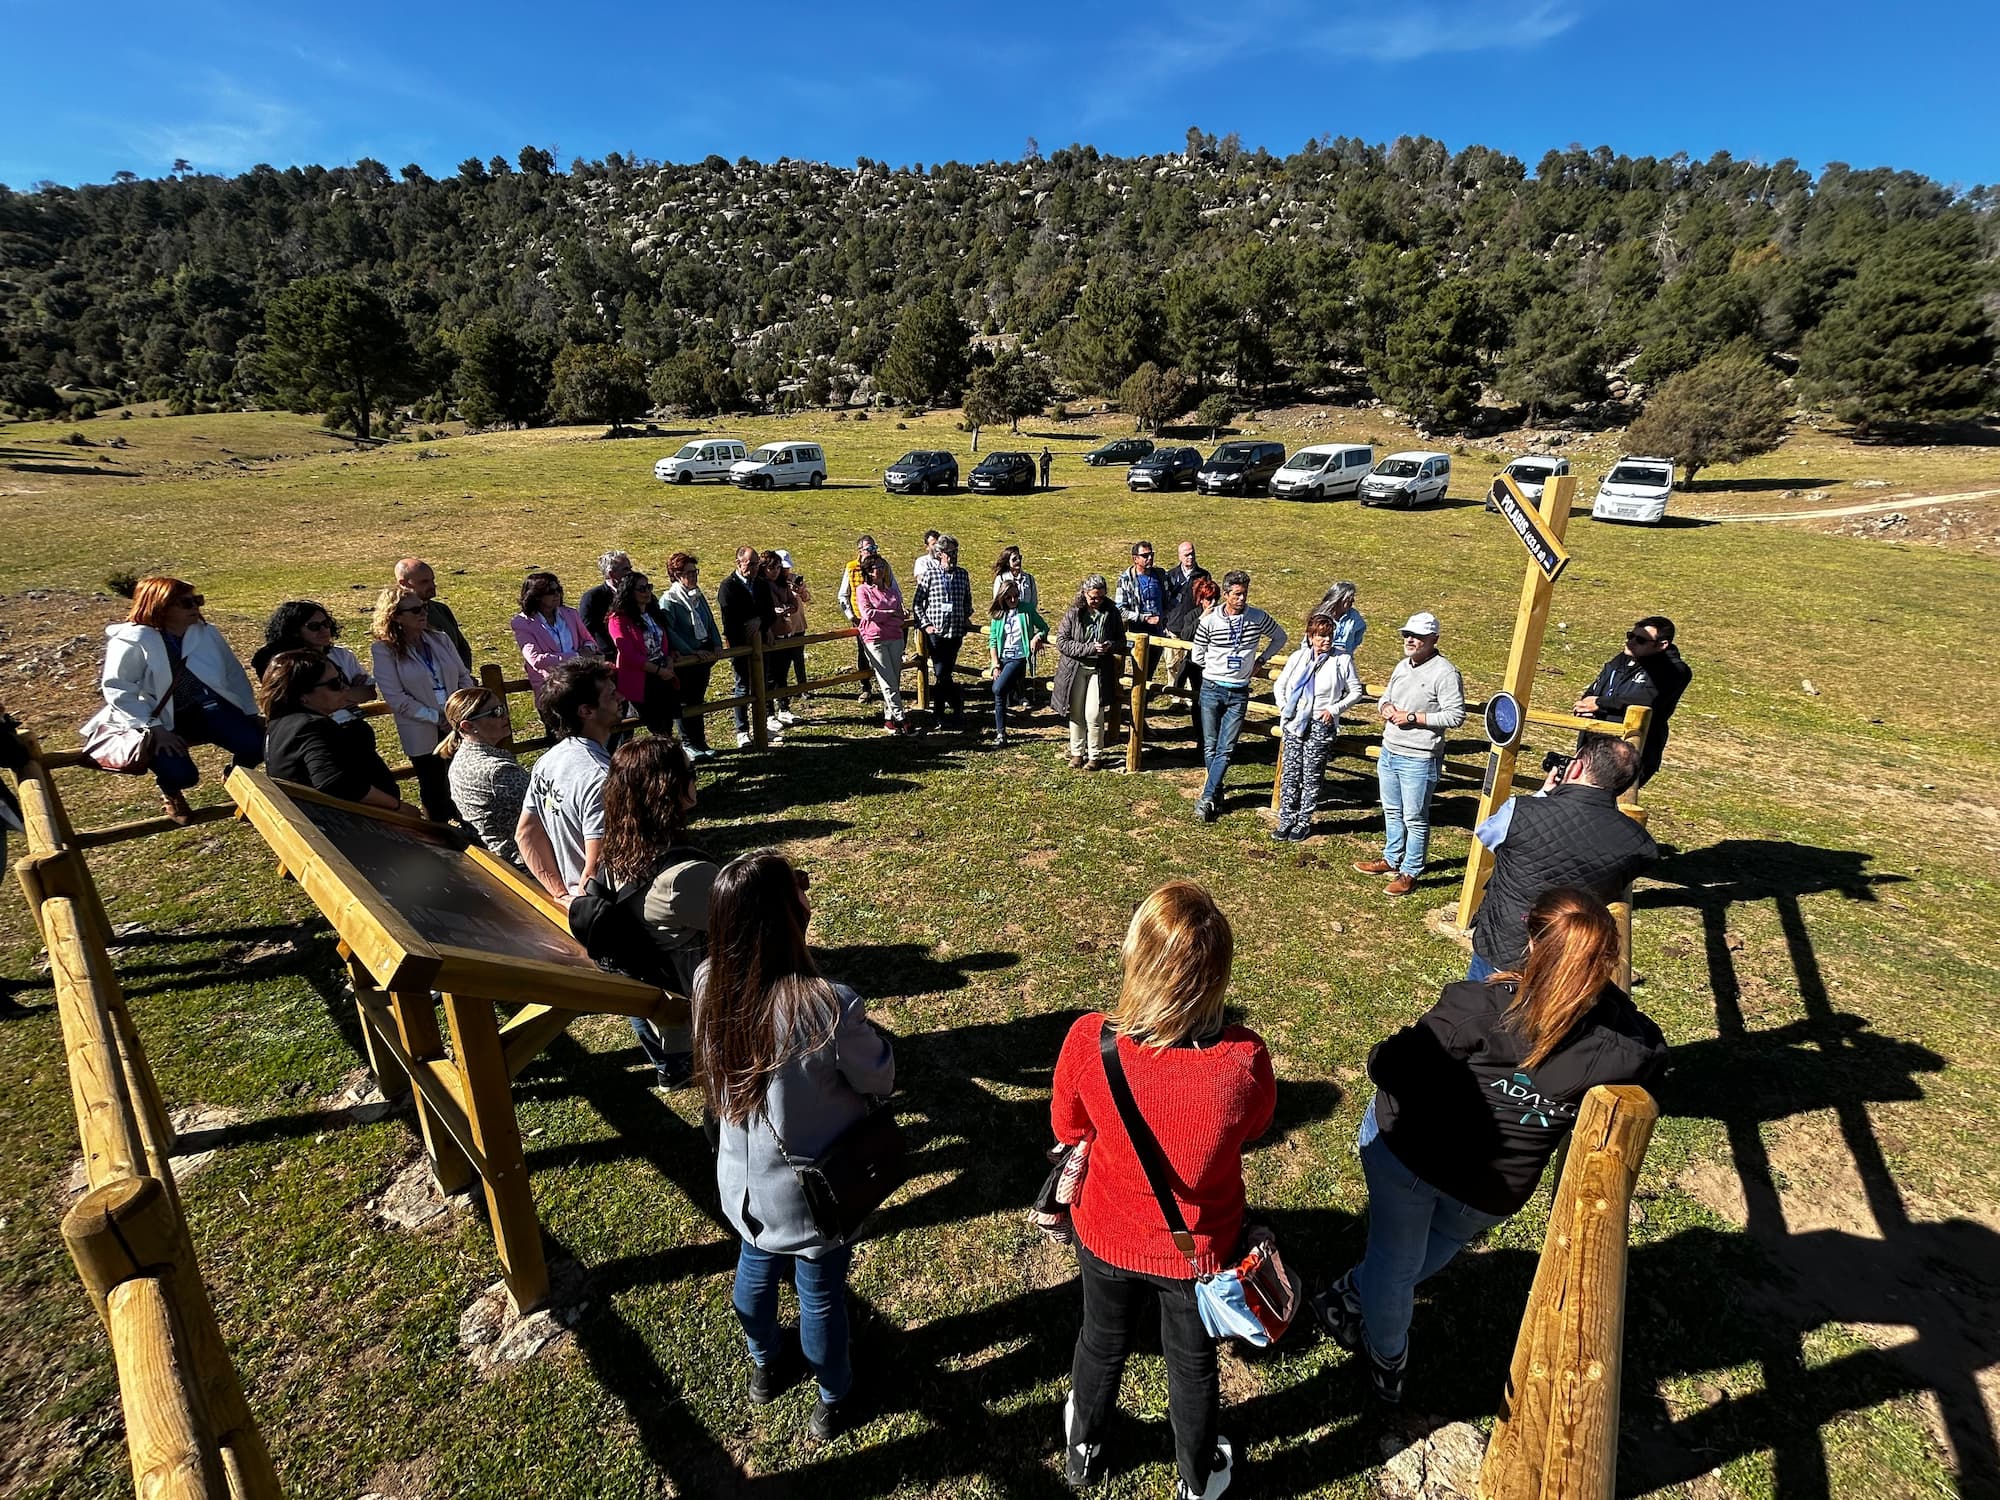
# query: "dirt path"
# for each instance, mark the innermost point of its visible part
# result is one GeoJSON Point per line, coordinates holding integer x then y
{"type": "Point", "coordinates": [1862, 510]}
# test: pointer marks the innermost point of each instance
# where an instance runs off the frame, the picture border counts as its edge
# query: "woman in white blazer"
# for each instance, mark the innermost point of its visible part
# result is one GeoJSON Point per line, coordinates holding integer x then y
{"type": "Point", "coordinates": [166, 668]}
{"type": "Point", "coordinates": [416, 672]}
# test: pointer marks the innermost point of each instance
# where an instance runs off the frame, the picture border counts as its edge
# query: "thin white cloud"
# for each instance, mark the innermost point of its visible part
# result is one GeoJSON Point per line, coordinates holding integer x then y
{"type": "Point", "coordinates": [234, 127]}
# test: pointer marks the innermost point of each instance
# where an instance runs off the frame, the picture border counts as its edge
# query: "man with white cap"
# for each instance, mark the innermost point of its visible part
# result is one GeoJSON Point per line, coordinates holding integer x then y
{"type": "Point", "coordinates": [1424, 698]}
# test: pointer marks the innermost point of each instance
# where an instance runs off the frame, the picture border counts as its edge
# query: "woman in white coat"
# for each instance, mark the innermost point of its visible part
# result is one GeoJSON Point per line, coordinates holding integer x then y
{"type": "Point", "coordinates": [416, 671]}
{"type": "Point", "coordinates": [167, 670]}
{"type": "Point", "coordinates": [1317, 684]}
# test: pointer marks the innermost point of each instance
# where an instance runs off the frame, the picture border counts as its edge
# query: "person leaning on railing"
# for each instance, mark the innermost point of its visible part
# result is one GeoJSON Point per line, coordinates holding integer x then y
{"type": "Point", "coordinates": [1016, 630]}
{"type": "Point", "coordinates": [302, 692]}
{"type": "Point", "coordinates": [416, 671]}
{"type": "Point", "coordinates": [1471, 1101]}
{"type": "Point", "coordinates": [488, 784]}
{"type": "Point", "coordinates": [307, 625]}
{"type": "Point", "coordinates": [789, 598]}
{"type": "Point", "coordinates": [644, 656]}
{"type": "Point", "coordinates": [878, 617]}
{"type": "Point", "coordinates": [1196, 600]}
{"type": "Point", "coordinates": [691, 631]}
{"type": "Point", "coordinates": [548, 632]}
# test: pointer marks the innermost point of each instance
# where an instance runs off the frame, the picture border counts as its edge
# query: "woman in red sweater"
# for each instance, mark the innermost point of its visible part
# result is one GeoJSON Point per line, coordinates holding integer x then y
{"type": "Point", "coordinates": [1205, 1089]}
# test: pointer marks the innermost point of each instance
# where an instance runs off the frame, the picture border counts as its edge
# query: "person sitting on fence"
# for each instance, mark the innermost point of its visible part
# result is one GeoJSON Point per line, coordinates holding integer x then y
{"type": "Point", "coordinates": [548, 632]}
{"type": "Point", "coordinates": [787, 1062]}
{"type": "Point", "coordinates": [1424, 697]}
{"type": "Point", "coordinates": [1570, 833]}
{"type": "Point", "coordinates": [1648, 673]}
{"type": "Point", "coordinates": [691, 631]}
{"type": "Point", "coordinates": [1012, 639]}
{"type": "Point", "coordinates": [561, 828]}
{"type": "Point", "coordinates": [1205, 1088]}
{"type": "Point", "coordinates": [644, 913]}
{"type": "Point", "coordinates": [305, 625]}
{"type": "Point", "coordinates": [171, 678]}
{"type": "Point", "coordinates": [645, 658]}
{"type": "Point", "coordinates": [1315, 687]}
{"type": "Point", "coordinates": [943, 607]}
{"type": "Point", "coordinates": [301, 693]}
{"type": "Point", "coordinates": [1185, 673]}
{"type": "Point", "coordinates": [1470, 1103]}
{"type": "Point", "coordinates": [789, 598]}
{"type": "Point", "coordinates": [744, 602]}
{"type": "Point", "coordinates": [1143, 600]}
{"type": "Point", "coordinates": [1090, 643]}
{"type": "Point", "coordinates": [1337, 604]}
{"type": "Point", "coordinates": [416, 576]}
{"type": "Point", "coordinates": [878, 614]}
{"type": "Point", "coordinates": [850, 581]}
{"type": "Point", "coordinates": [416, 671]}
{"type": "Point", "coordinates": [595, 606]}
{"type": "Point", "coordinates": [1231, 645]}
{"type": "Point", "coordinates": [488, 784]}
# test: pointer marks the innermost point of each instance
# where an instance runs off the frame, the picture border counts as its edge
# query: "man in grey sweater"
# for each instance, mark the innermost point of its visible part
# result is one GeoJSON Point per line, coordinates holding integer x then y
{"type": "Point", "coordinates": [1424, 698]}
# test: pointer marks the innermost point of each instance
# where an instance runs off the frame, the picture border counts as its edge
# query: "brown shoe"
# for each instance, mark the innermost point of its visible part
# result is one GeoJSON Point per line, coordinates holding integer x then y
{"type": "Point", "coordinates": [177, 808]}
{"type": "Point", "coordinates": [1373, 866]}
{"type": "Point", "coordinates": [1079, 762]}
{"type": "Point", "coordinates": [1402, 885]}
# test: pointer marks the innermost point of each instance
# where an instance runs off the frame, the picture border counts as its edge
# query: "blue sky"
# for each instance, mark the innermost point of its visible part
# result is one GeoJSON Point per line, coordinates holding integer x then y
{"type": "Point", "coordinates": [227, 84]}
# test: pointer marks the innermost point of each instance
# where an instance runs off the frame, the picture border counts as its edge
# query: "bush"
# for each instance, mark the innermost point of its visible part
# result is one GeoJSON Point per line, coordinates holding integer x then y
{"type": "Point", "coordinates": [124, 585]}
{"type": "Point", "coordinates": [83, 411]}
{"type": "Point", "coordinates": [77, 440]}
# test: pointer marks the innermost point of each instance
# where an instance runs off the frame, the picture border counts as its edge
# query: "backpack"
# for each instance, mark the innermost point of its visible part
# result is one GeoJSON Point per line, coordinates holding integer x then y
{"type": "Point", "coordinates": [610, 922]}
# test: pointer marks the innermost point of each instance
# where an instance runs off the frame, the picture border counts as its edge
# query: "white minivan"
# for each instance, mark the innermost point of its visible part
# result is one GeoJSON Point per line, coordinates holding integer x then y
{"type": "Point", "coordinates": [1407, 479]}
{"type": "Point", "coordinates": [1324, 471]}
{"type": "Point", "coordinates": [1636, 489]}
{"type": "Point", "coordinates": [778, 466]}
{"type": "Point", "coordinates": [708, 459]}
{"type": "Point", "coordinates": [1531, 474]}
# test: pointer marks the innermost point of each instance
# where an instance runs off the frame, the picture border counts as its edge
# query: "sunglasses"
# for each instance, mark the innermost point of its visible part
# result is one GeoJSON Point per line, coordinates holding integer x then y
{"type": "Point", "coordinates": [1640, 636]}
{"type": "Point", "coordinates": [337, 680]}
{"type": "Point", "coordinates": [1142, 554]}
{"type": "Point", "coordinates": [317, 625]}
{"type": "Point", "coordinates": [485, 713]}
{"type": "Point", "coordinates": [418, 608]}
{"type": "Point", "coordinates": [188, 601]}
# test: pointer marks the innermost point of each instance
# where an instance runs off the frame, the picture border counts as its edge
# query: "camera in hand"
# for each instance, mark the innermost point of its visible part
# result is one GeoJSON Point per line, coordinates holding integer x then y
{"type": "Point", "coordinates": [1557, 762]}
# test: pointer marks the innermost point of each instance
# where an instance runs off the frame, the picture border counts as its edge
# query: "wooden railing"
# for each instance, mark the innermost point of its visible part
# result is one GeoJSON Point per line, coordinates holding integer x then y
{"type": "Point", "coordinates": [188, 1428]}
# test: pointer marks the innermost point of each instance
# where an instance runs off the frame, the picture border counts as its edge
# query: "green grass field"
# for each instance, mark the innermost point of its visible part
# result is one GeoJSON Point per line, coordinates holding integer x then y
{"type": "Point", "coordinates": [1812, 1290]}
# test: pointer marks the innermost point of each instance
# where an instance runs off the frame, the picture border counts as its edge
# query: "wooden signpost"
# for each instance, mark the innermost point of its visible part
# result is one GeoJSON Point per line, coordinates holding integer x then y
{"type": "Point", "coordinates": [418, 914]}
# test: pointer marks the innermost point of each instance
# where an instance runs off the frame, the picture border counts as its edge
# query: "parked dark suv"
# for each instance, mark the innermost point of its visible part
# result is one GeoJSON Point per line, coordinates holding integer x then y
{"type": "Point", "coordinates": [1164, 469]}
{"type": "Point", "coordinates": [1119, 451]}
{"type": "Point", "coordinates": [1242, 468]}
{"type": "Point", "coordinates": [1004, 471]}
{"type": "Point", "coordinates": [922, 471]}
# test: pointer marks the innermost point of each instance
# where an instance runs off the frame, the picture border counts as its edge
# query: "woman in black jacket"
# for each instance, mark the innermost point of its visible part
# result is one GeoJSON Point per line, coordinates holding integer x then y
{"type": "Point", "coordinates": [300, 692]}
{"type": "Point", "coordinates": [1090, 645]}
{"type": "Point", "coordinates": [1470, 1104]}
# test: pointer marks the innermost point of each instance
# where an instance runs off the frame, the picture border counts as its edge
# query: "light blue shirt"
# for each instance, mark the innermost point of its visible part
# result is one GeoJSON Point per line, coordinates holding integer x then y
{"type": "Point", "coordinates": [1348, 631]}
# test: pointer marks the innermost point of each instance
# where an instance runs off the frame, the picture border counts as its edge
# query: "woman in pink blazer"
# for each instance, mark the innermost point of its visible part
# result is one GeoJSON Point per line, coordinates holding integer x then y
{"type": "Point", "coordinates": [548, 631]}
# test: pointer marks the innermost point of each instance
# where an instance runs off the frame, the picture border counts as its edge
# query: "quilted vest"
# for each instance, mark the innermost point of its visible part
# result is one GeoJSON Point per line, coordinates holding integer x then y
{"type": "Point", "coordinates": [1574, 836]}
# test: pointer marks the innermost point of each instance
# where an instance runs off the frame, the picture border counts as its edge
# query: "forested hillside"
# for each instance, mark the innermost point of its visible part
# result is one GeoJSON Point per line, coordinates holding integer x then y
{"type": "Point", "coordinates": [1440, 282]}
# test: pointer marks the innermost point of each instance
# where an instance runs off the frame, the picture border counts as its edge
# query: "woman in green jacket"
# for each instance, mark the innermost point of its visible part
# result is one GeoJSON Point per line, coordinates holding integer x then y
{"type": "Point", "coordinates": [1012, 638]}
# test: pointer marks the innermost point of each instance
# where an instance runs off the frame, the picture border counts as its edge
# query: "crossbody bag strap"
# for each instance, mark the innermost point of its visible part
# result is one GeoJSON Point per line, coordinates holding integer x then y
{"type": "Point", "coordinates": [1152, 1160]}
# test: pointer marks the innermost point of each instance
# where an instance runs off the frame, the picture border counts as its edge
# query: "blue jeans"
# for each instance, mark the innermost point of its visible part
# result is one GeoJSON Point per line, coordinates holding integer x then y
{"type": "Point", "coordinates": [822, 1288]}
{"type": "Point", "coordinates": [1406, 782]}
{"type": "Point", "coordinates": [1479, 970]}
{"type": "Point", "coordinates": [218, 724]}
{"type": "Point", "coordinates": [1222, 708]}
{"type": "Point", "coordinates": [1413, 1232]}
{"type": "Point", "coordinates": [1005, 680]}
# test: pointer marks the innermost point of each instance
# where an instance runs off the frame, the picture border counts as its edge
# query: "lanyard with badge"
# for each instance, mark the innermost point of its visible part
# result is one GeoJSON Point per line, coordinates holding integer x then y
{"type": "Point", "coordinates": [430, 665]}
{"type": "Point", "coordinates": [1235, 648]}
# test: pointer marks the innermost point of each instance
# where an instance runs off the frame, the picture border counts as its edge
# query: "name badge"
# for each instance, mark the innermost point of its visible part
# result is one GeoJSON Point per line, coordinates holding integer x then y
{"type": "Point", "coordinates": [1235, 663]}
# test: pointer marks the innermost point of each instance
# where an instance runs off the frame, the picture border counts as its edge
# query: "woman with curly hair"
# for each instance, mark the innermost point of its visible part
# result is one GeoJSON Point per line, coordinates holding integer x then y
{"type": "Point", "coordinates": [306, 625]}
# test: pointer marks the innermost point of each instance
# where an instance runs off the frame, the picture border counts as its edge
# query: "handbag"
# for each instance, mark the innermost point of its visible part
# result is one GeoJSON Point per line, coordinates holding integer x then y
{"type": "Point", "coordinates": [114, 743]}
{"type": "Point", "coordinates": [847, 1182]}
{"type": "Point", "coordinates": [1050, 1212]}
{"type": "Point", "coordinates": [1254, 1300]}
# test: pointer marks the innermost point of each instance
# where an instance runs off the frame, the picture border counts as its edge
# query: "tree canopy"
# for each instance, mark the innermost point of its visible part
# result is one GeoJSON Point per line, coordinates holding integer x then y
{"type": "Point", "coordinates": [1728, 408]}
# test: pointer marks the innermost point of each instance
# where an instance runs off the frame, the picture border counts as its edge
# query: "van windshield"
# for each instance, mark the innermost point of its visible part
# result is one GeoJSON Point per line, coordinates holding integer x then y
{"type": "Point", "coordinates": [766, 455]}
{"type": "Point", "coordinates": [1234, 453]}
{"type": "Point", "coordinates": [1306, 461]}
{"type": "Point", "coordinates": [1396, 468]}
{"type": "Point", "coordinates": [1643, 475]}
{"type": "Point", "coordinates": [1530, 473]}
{"type": "Point", "coordinates": [692, 450]}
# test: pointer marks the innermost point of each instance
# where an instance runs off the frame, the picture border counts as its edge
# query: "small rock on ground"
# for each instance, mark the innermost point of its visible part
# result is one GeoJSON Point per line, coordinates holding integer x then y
{"type": "Point", "coordinates": [494, 1336]}
{"type": "Point", "coordinates": [412, 1201]}
{"type": "Point", "coordinates": [1439, 1465]}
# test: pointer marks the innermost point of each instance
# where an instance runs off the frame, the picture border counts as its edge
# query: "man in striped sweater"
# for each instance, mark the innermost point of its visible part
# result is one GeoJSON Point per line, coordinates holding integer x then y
{"type": "Point", "coordinates": [1231, 644]}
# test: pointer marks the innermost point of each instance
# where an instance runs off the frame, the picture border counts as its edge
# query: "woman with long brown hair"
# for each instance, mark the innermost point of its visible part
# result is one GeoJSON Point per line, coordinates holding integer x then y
{"type": "Point", "coordinates": [787, 1061]}
{"type": "Point", "coordinates": [1470, 1103]}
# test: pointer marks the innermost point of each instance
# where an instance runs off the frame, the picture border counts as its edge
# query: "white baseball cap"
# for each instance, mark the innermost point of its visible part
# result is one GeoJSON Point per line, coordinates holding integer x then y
{"type": "Point", "coordinates": [1423, 622]}
{"type": "Point", "coordinates": [784, 559]}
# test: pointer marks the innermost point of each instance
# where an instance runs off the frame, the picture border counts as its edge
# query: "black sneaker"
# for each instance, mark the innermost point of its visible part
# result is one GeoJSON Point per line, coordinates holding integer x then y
{"type": "Point", "coordinates": [676, 1072]}
{"type": "Point", "coordinates": [831, 1418]}
{"type": "Point", "coordinates": [1387, 1378]}
{"type": "Point", "coordinates": [1083, 1463]}
{"type": "Point", "coordinates": [1337, 1310]}
{"type": "Point", "coordinates": [769, 1382]}
{"type": "Point", "coordinates": [1205, 810]}
{"type": "Point", "coordinates": [1219, 1473]}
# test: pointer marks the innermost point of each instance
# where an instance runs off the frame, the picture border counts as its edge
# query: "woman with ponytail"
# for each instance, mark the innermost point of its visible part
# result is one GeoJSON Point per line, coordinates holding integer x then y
{"type": "Point", "coordinates": [1470, 1103]}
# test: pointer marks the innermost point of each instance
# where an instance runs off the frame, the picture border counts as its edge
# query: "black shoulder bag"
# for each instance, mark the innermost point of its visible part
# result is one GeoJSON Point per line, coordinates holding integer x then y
{"type": "Point", "coordinates": [849, 1180]}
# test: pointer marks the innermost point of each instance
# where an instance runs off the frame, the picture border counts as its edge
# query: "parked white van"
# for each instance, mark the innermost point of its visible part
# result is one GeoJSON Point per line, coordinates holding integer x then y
{"type": "Point", "coordinates": [1406, 479]}
{"type": "Point", "coordinates": [778, 466]}
{"type": "Point", "coordinates": [1532, 472]}
{"type": "Point", "coordinates": [1324, 471]}
{"type": "Point", "coordinates": [1636, 489]}
{"type": "Point", "coordinates": [708, 459]}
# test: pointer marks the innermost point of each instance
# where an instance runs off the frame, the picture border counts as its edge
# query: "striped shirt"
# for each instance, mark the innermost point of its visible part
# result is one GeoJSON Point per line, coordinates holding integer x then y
{"type": "Point", "coordinates": [1227, 647]}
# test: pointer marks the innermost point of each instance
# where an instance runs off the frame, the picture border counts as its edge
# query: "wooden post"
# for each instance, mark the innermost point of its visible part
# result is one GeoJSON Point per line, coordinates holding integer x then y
{"type": "Point", "coordinates": [1530, 621]}
{"type": "Point", "coordinates": [923, 644]}
{"type": "Point", "coordinates": [495, 682]}
{"type": "Point", "coordinates": [488, 1091]}
{"type": "Point", "coordinates": [760, 708]}
{"type": "Point", "coordinates": [1557, 1432]}
{"type": "Point", "coordinates": [390, 1075]}
{"type": "Point", "coordinates": [1135, 741]}
{"type": "Point", "coordinates": [106, 1114]}
{"type": "Point", "coordinates": [417, 1030]}
{"type": "Point", "coordinates": [1633, 731]}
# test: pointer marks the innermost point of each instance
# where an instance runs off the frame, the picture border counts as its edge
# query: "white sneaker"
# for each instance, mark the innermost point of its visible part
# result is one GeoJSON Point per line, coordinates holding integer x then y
{"type": "Point", "coordinates": [1218, 1477]}
{"type": "Point", "coordinates": [776, 724]}
{"type": "Point", "coordinates": [1080, 1460]}
{"type": "Point", "coordinates": [742, 739]}
{"type": "Point", "coordinates": [786, 716]}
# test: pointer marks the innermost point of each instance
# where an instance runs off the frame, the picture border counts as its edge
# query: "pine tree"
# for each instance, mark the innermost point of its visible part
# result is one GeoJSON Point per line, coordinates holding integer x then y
{"type": "Point", "coordinates": [1554, 358]}
{"type": "Point", "coordinates": [338, 347]}
{"type": "Point", "coordinates": [599, 383]}
{"type": "Point", "coordinates": [501, 377]}
{"type": "Point", "coordinates": [1115, 330]}
{"type": "Point", "coordinates": [928, 355]}
{"type": "Point", "coordinates": [1429, 364]}
{"type": "Point", "coordinates": [1150, 395]}
{"type": "Point", "coordinates": [1728, 408]}
{"type": "Point", "coordinates": [1198, 316]}
{"type": "Point", "coordinates": [1215, 412]}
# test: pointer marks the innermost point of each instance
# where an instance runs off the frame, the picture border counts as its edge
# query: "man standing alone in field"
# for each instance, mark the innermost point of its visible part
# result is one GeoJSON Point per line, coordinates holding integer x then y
{"type": "Point", "coordinates": [1047, 462]}
{"type": "Point", "coordinates": [416, 575]}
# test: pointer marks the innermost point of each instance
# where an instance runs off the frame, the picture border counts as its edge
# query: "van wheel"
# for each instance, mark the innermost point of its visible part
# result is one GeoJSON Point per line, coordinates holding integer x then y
{"type": "Point", "coordinates": [817, 479]}
{"type": "Point", "coordinates": [1439, 500]}
{"type": "Point", "coordinates": [684, 477]}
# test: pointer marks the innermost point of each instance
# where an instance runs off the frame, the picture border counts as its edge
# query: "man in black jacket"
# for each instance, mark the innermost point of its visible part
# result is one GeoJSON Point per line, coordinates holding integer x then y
{"type": "Point", "coordinates": [595, 605]}
{"type": "Point", "coordinates": [1571, 833]}
{"type": "Point", "coordinates": [1648, 673]}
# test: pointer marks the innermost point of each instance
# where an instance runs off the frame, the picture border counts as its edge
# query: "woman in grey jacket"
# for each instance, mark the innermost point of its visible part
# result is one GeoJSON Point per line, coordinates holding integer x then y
{"type": "Point", "coordinates": [787, 1061]}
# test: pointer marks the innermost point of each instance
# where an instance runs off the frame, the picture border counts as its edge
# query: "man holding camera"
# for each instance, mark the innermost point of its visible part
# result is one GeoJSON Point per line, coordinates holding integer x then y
{"type": "Point", "coordinates": [1648, 673]}
{"type": "Point", "coordinates": [1572, 832]}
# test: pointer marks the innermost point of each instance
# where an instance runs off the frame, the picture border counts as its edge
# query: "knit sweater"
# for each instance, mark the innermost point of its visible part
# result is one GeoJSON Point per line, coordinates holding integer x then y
{"type": "Point", "coordinates": [1203, 1104]}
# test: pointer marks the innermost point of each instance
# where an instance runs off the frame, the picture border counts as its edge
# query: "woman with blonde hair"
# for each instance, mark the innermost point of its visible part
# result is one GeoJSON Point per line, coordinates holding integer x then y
{"type": "Point", "coordinates": [1205, 1088]}
{"type": "Point", "coordinates": [488, 785]}
{"type": "Point", "coordinates": [1470, 1103]}
{"type": "Point", "coordinates": [417, 669]}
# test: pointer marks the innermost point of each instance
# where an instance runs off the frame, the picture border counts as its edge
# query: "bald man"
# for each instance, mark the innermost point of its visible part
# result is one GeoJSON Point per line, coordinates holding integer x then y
{"type": "Point", "coordinates": [414, 574]}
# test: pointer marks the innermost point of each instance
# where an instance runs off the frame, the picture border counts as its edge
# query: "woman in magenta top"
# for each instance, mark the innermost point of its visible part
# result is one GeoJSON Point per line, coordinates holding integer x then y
{"type": "Point", "coordinates": [878, 618]}
{"type": "Point", "coordinates": [1205, 1089]}
{"type": "Point", "coordinates": [645, 662]}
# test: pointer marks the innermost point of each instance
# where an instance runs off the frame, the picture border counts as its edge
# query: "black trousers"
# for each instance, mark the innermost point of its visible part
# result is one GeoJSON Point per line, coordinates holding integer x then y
{"type": "Point", "coordinates": [660, 709]}
{"type": "Point", "coordinates": [1113, 1302]}
{"type": "Point", "coordinates": [694, 688]}
{"type": "Point", "coordinates": [945, 691]}
{"type": "Point", "coordinates": [434, 787]}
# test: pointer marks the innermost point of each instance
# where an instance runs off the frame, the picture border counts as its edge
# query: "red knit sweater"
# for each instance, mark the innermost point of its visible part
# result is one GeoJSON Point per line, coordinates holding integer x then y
{"type": "Point", "coordinates": [1203, 1104]}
